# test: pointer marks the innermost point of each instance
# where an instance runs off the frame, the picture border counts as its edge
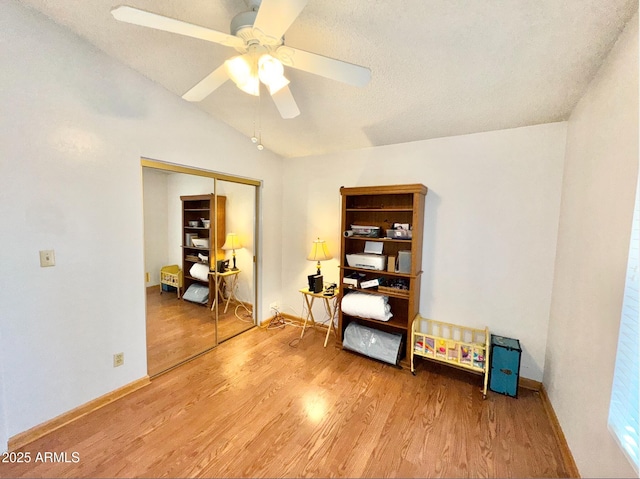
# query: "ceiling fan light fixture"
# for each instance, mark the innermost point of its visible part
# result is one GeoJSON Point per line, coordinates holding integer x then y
{"type": "Point", "coordinates": [269, 68]}
{"type": "Point", "coordinates": [238, 69]}
{"type": "Point", "coordinates": [251, 86]}
{"type": "Point", "coordinates": [242, 74]}
{"type": "Point", "coordinates": [271, 73]}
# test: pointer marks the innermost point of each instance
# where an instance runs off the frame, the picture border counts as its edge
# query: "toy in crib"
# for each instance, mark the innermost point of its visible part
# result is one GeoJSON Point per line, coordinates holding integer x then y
{"type": "Point", "coordinates": [464, 354]}
{"type": "Point", "coordinates": [478, 358]}
{"type": "Point", "coordinates": [452, 350]}
{"type": "Point", "coordinates": [426, 346]}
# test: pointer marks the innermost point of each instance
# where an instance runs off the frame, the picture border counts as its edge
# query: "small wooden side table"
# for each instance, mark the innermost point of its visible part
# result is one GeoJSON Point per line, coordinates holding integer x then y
{"type": "Point", "coordinates": [228, 278]}
{"type": "Point", "coordinates": [330, 303]}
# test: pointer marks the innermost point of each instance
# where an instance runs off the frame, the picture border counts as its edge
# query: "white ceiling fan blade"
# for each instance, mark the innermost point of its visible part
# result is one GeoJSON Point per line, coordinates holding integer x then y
{"type": "Point", "coordinates": [276, 16]}
{"type": "Point", "coordinates": [166, 24]}
{"type": "Point", "coordinates": [285, 103]}
{"type": "Point", "coordinates": [324, 66]}
{"type": "Point", "coordinates": [207, 85]}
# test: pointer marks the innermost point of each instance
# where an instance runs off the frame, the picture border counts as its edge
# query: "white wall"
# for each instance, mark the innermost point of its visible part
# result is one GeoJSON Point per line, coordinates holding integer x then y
{"type": "Point", "coordinates": [595, 223]}
{"type": "Point", "coordinates": [490, 224]}
{"type": "Point", "coordinates": [74, 125]}
{"type": "Point", "coordinates": [156, 241]}
{"type": "Point", "coordinates": [181, 185]}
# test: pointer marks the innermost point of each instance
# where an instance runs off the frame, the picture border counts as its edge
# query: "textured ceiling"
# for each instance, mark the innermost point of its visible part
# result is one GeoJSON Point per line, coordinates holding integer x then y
{"type": "Point", "coordinates": [439, 67]}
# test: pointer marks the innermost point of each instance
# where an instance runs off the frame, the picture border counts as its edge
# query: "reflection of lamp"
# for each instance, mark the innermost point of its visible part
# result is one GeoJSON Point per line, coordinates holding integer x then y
{"type": "Point", "coordinates": [232, 243]}
{"type": "Point", "coordinates": [319, 252]}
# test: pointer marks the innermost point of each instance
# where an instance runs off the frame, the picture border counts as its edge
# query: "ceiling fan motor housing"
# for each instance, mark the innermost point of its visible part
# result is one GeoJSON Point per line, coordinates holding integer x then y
{"type": "Point", "coordinates": [242, 26]}
{"type": "Point", "coordinates": [243, 20]}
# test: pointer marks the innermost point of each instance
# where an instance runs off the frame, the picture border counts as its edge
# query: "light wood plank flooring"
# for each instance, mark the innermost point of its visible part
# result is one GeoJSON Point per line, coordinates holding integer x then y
{"type": "Point", "coordinates": [178, 330]}
{"type": "Point", "coordinates": [267, 405]}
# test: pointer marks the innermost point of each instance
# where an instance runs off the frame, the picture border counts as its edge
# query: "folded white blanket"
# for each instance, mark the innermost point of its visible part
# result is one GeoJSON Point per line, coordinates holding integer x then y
{"type": "Point", "coordinates": [366, 305]}
{"type": "Point", "coordinates": [200, 271]}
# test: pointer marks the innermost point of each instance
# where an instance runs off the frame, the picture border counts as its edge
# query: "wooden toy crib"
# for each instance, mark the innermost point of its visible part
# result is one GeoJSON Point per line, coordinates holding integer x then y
{"type": "Point", "coordinates": [171, 276]}
{"type": "Point", "coordinates": [452, 344]}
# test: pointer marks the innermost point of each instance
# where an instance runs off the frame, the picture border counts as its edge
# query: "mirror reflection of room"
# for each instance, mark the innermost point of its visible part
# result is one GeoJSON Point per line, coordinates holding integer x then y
{"type": "Point", "coordinates": [195, 299]}
{"type": "Point", "coordinates": [236, 291]}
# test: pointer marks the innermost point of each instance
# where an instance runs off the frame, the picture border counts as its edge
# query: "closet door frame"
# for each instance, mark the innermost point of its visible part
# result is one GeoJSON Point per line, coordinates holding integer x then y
{"type": "Point", "coordinates": [257, 184]}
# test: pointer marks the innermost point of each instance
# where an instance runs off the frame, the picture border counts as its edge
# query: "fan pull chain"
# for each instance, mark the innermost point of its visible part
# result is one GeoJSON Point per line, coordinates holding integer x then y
{"type": "Point", "coordinates": [254, 138]}
{"type": "Point", "coordinates": [258, 140]}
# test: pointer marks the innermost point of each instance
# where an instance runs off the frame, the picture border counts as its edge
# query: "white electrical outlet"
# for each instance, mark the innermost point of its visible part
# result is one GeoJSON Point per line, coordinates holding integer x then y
{"type": "Point", "coordinates": [118, 359]}
{"type": "Point", "coordinates": [47, 258]}
{"type": "Point", "coordinates": [275, 306]}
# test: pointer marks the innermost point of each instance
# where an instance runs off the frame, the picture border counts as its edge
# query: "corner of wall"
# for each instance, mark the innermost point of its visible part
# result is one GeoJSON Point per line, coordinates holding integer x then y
{"type": "Point", "coordinates": [598, 190]}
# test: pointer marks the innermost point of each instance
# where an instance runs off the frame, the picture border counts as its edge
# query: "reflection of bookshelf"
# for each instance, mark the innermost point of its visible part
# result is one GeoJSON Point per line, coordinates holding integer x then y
{"type": "Point", "coordinates": [382, 207]}
{"type": "Point", "coordinates": [195, 208]}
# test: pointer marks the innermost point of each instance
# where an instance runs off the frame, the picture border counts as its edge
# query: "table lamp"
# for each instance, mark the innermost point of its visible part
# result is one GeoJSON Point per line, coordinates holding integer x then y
{"type": "Point", "coordinates": [232, 242]}
{"type": "Point", "coordinates": [319, 252]}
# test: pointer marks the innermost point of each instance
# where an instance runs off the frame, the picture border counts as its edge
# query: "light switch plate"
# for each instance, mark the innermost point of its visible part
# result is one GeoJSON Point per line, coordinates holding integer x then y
{"type": "Point", "coordinates": [47, 258]}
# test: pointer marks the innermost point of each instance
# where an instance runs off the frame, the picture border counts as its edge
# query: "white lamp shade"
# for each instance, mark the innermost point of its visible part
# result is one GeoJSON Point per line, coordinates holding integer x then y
{"type": "Point", "coordinates": [319, 251]}
{"type": "Point", "coordinates": [251, 86]}
{"type": "Point", "coordinates": [243, 74]}
{"type": "Point", "coordinates": [232, 242]}
{"type": "Point", "coordinates": [269, 69]}
{"type": "Point", "coordinates": [239, 69]}
{"type": "Point", "coordinates": [271, 73]}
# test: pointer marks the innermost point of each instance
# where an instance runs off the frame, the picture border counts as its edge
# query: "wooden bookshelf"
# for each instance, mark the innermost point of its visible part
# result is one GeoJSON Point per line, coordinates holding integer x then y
{"type": "Point", "coordinates": [194, 209]}
{"type": "Point", "coordinates": [382, 206]}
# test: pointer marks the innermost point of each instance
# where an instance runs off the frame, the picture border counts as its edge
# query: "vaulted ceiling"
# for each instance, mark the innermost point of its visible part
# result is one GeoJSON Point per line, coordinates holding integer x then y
{"type": "Point", "coordinates": [438, 67]}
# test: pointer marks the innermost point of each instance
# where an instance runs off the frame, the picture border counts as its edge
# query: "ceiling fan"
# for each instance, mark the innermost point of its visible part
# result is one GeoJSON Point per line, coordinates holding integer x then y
{"type": "Point", "coordinates": [258, 36]}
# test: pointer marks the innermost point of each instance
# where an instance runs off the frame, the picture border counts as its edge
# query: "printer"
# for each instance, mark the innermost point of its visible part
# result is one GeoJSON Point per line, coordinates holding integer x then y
{"type": "Point", "coordinates": [372, 258]}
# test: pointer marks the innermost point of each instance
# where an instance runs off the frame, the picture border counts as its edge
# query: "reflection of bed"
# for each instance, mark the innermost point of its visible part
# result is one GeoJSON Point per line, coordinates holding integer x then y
{"type": "Point", "coordinates": [458, 346]}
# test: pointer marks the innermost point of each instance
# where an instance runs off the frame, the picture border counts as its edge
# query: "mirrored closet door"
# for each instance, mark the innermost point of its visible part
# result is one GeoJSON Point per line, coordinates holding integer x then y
{"type": "Point", "coordinates": [195, 225]}
{"type": "Point", "coordinates": [235, 274]}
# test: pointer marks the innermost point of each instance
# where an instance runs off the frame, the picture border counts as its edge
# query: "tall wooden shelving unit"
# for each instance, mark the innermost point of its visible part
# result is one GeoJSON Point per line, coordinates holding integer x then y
{"type": "Point", "coordinates": [195, 208]}
{"type": "Point", "coordinates": [382, 206]}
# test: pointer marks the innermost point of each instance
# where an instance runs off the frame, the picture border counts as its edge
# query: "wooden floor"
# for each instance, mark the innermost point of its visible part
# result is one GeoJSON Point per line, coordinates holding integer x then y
{"type": "Point", "coordinates": [265, 404]}
{"type": "Point", "coordinates": [178, 330]}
